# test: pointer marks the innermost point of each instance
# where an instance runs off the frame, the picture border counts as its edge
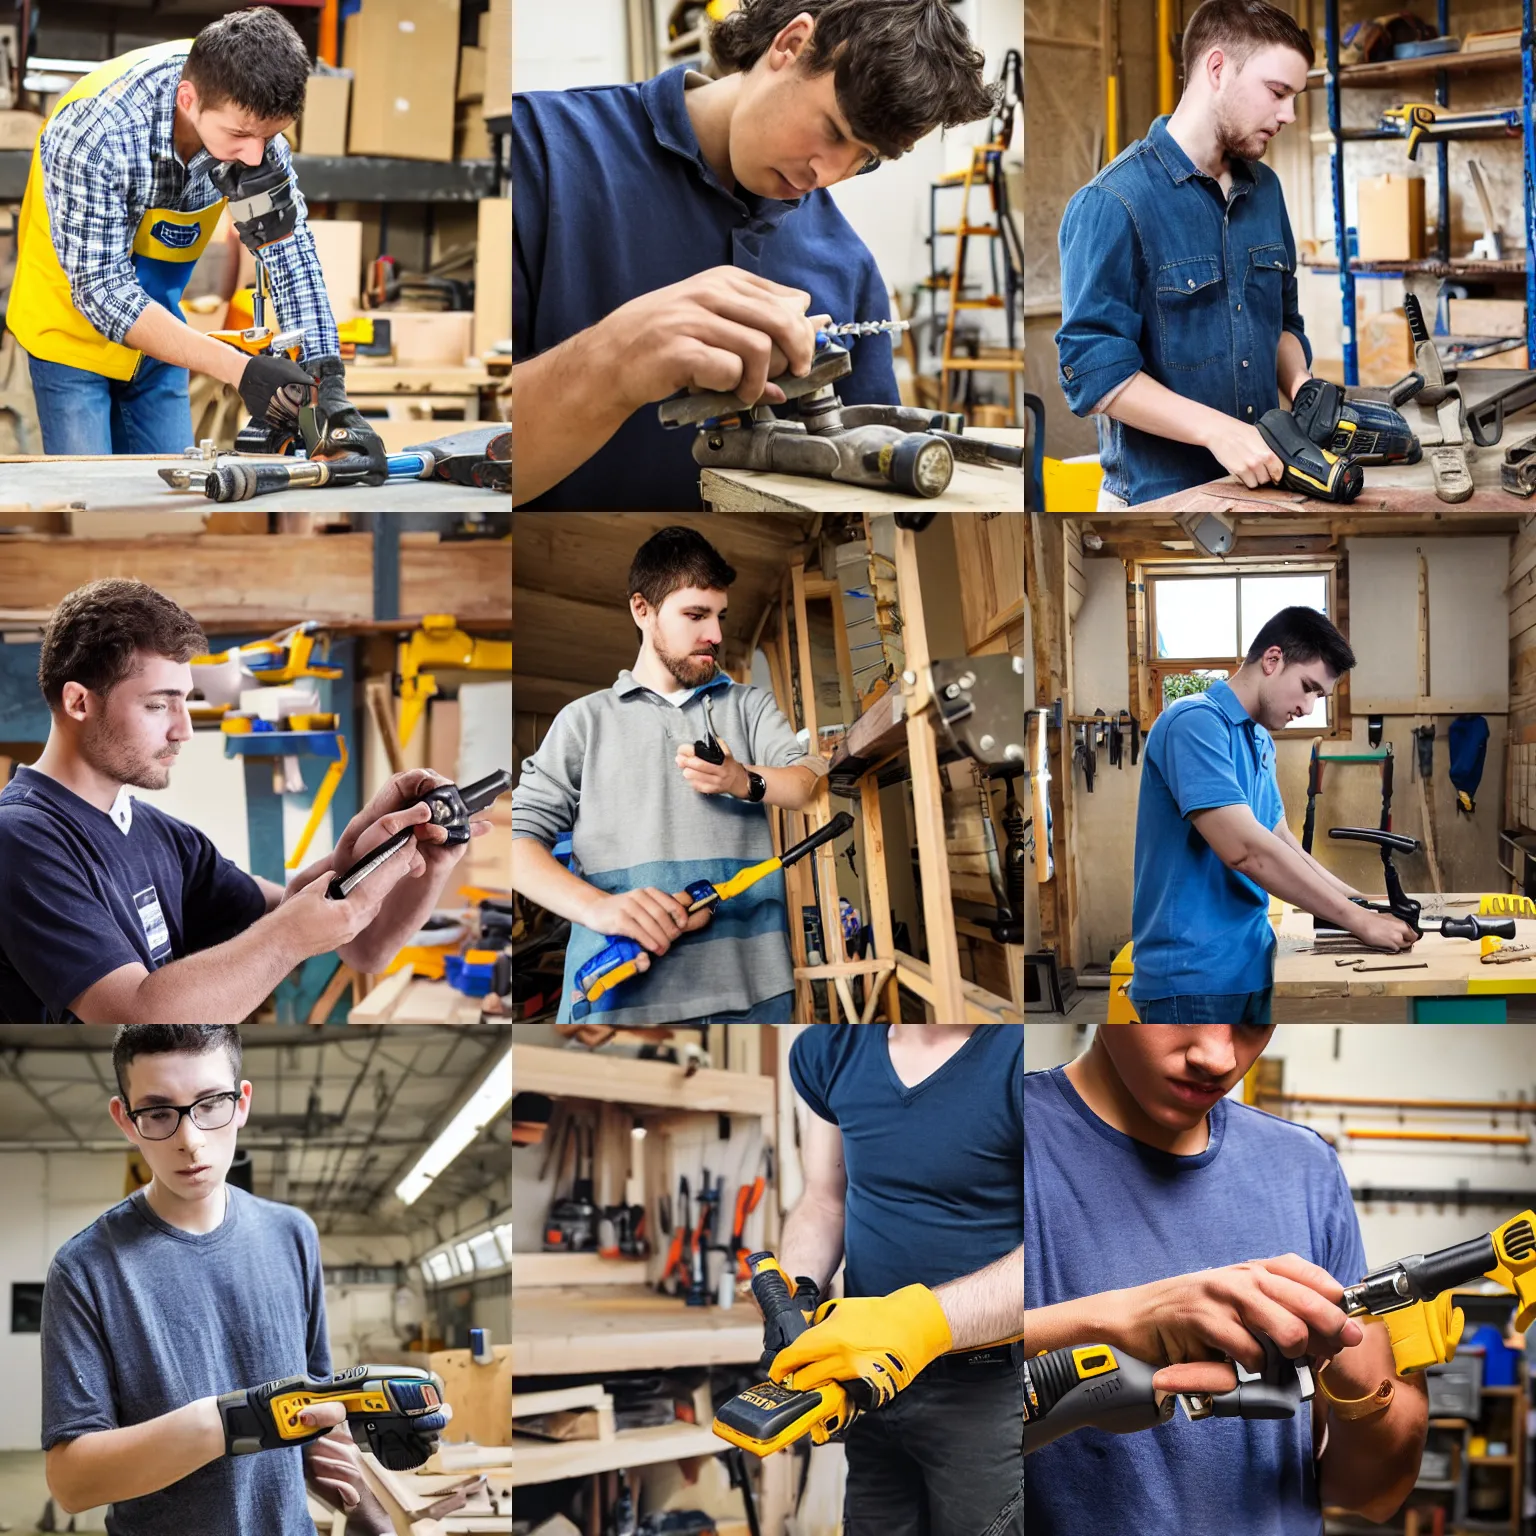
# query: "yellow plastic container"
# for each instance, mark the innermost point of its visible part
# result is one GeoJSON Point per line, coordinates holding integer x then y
{"type": "Point", "coordinates": [1121, 1009]}
{"type": "Point", "coordinates": [1072, 487]}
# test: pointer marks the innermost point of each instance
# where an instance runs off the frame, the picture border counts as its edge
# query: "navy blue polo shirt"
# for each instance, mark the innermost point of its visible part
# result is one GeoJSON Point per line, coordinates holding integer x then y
{"type": "Point", "coordinates": [615, 199]}
{"type": "Point", "coordinates": [1163, 273]}
{"type": "Point", "coordinates": [935, 1171]}
{"type": "Point", "coordinates": [1202, 752]}
{"type": "Point", "coordinates": [80, 898]}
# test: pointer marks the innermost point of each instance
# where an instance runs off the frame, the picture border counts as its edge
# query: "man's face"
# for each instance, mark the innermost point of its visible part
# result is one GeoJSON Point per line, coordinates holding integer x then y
{"type": "Point", "coordinates": [228, 132]}
{"type": "Point", "coordinates": [684, 632]}
{"type": "Point", "coordinates": [191, 1164]}
{"type": "Point", "coordinates": [1255, 100]}
{"type": "Point", "coordinates": [134, 733]}
{"type": "Point", "coordinates": [1176, 1072]}
{"type": "Point", "coordinates": [1289, 690]}
{"type": "Point", "coordinates": [788, 135]}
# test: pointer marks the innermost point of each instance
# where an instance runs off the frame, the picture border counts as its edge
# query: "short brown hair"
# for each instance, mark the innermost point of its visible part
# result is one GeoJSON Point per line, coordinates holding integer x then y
{"type": "Point", "coordinates": [673, 558]}
{"type": "Point", "coordinates": [253, 58]}
{"type": "Point", "coordinates": [1240, 28]}
{"type": "Point", "coordinates": [134, 1040]}
{"type": "Point", "coordinates": [902, 67]}
{"type": "Point", "coordinates": [97, 629]}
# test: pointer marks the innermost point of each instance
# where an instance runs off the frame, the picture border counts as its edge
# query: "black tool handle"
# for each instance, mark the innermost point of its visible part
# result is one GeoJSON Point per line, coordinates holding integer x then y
{"type": "Point", "coordinates": [709, 749]}
{"type": "Point", "coordinates": [343, 885]}
{"type": "Point", "coordinates": [1059, 1398]}
{"type": "Point", "coordinates": [1405, 389]}
{"type": "Point", "coordinates": [1478, 927]}
{"type": "Point", "coordinates": [1399, 842]}
{"type": "Point", "coordinates": [482, 792]}
{"type": "Point", "coordinates": [834, 828]}
{"type": "Point", "coordinates": [1416, 326]}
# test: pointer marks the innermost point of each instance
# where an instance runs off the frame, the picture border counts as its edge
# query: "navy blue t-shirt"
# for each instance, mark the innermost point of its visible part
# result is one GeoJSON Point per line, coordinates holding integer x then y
{"type": "Point", "coordinates": [935, 1172]}
{"type": "Point", "coordinates": [1104, 1211]}
{"type": "Point", "coordinates": [614, 200]}
{"type": "Point", "coordinates": [79, 898]}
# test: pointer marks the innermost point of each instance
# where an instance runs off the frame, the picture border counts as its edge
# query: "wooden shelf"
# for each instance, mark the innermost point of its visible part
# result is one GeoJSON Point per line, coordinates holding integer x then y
{"type": "Point", "coordinates": [1390, 71]}
{"type": "Point", "coordinates": [533, 1462]}
{"type": "Point", "coordinates": [624, 1080]}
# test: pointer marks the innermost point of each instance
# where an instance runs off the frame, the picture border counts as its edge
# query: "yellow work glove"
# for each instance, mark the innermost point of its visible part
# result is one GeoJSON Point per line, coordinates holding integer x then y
{"type": "Point", "coordinates": [882, 1340]}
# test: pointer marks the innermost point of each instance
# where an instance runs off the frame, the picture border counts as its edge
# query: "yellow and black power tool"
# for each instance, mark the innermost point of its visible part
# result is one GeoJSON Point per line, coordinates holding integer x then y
{"type": "Point", "coordinates": [1412, 1297]}
{"type": "Point", "coordinates": [1307, 466]}
{"type": "Point", "coordinates": [395, 1411]}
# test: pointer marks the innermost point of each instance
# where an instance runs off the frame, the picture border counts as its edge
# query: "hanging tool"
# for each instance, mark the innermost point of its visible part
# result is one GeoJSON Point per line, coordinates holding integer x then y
{"type": "Point", "coordinates": [1315, 765]}
{"type": "Point", "coordinates": [571, 1225]}
{"type": "Point", "coordinates": [1305, 467]}
{"type": "Point", "coordinates": [748, 1198]}
{"type": "Point", "coordinates": [439, 644]}
{"type": "Point", "coordinates": [452, 809]}
{"type": "Point", "coordinates": [1398, 904]}
{"type": "Point", "coordinates": [702, 1240]}
{"type": "Point", "coordinates": [1488, 246]}
{"type": "Point", "coordinates": [709, 748]}
{"type": "Point", "coordinates": [1101, 1387]}
{"type": "Point", "coordinates": [616, 962]}
{"type": "Point", "coordinates": [1447, 459]}
{"type": "Point", "coordinates": [674, 1273]}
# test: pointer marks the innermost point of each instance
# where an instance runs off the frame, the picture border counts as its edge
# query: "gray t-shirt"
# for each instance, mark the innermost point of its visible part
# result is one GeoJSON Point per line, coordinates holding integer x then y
{"type": "Point", "coordinates": [140, 1318]}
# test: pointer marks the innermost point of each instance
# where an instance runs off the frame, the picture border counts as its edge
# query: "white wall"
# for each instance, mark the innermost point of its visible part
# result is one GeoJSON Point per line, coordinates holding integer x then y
{"type": "Point", "coordinates": [1049, 1045]}
{"type": "Point", "coordinates": [558, 45]}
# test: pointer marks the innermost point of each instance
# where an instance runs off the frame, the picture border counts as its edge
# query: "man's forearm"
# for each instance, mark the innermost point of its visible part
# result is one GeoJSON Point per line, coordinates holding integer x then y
{"type": "Point", "coordinates": [1152, 407]}
{"type": "Point", "coordinates": [159, 334]}
{"type": "Point", "coordinates": [812, 1242]}
{"type": "Point", "coordinates": [402, 913]}
{"type": "Point", "coordinates": [794, 787]}
{"type": "Point", "coordinates": [1286, 836]}
{"type": "Point", "coordinates": [222, 985]}
{"type": "Point", "coordinates": [1288, 874]}
{"type": "Point", "coordinates": [541, 877]}
{"type": "Point", "coordinates": [986, 1306]}
{"type": "Point", "coordinates": [114, 1465]}
{"type": "Point", "coordinates": [564, 408]}
{"type": "Point", "coordinates": [1369, 1465]}
{"type": "Point", "coordinates": [1291, 370]}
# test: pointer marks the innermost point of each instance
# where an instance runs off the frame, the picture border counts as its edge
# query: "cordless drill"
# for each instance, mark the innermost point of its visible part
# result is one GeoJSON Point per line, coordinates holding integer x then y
{"type": "Point", "coordinates": [1368, 431]}
{"type": "Point", "coordinates": [1306, 467]}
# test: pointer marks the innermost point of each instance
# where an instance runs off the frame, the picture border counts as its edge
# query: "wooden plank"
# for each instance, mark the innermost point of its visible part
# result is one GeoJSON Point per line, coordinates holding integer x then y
{"type": "Point", "coordinates": [468, 580]}
{"type": "Point", "coordinates": [623, 1080]}
{"type": "Point", "coordinates": [481, 1395]}
{"type": "Point", "coordinates": [877, 883]}
{"type": "Point", "coordinates": [377, 1006]}
{"type": "Point", "coordinates": [592, 1395]}
{"type": "Point", "coordinates": [574, 1269]}
{"type": "Point", "coordinates": [533, 1463]}
{"type": "Point", "coordinates": [981, 1006]}
{"type": "Point", "coordinates": [991, 563]}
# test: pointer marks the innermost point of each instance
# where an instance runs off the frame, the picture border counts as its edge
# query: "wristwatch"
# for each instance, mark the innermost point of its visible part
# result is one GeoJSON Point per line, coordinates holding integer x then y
{"type": "Point", "coordinates": [756, 788]}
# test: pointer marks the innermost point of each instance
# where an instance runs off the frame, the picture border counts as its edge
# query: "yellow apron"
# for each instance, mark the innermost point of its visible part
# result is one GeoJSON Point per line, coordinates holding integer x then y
{"type": "Point", "coordinates": [166, 245]}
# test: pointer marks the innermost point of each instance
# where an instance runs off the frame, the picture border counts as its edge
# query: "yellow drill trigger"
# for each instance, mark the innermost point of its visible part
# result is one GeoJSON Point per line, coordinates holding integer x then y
{"type": "Point", "coordinates": [1515, 1245]}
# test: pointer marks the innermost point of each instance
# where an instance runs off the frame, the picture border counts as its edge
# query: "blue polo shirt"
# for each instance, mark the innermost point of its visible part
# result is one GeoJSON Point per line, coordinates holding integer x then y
{"type": "Point", "coordinates": [615, 199]}
{"type": "Point", "coordinates": [1197, 926]}
{"type": "Point", "coordinates": [1163, 273]}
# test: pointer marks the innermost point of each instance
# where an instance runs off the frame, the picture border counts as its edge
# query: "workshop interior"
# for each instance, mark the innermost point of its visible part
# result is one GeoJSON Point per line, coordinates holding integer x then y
{"type": "Point", "coordinates": [1411, 782]}
{"type": "Point", "coordinates": [651, 1173]}
{"type": "Point", "coordinates": [394, 1143]}
{"type": "Point", "coordinates": [335, 654]}
{"type": "Point", "coordinates": [893, 644]}
{"type": "Point", "coordinates": [942, 334]}
{"type": "Point", "coordinates": [1406, 176]}
{"type": "Point", "coordinates": [1431, 1125]}
{"type": "Point", "coordinates": [364, 264]}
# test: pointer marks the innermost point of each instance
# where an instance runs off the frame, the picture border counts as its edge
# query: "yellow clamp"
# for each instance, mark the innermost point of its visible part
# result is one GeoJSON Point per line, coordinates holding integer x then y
{"type": "Point", "coordinates": [441, 643]}
{"type": "Point", "coordinates": [1424, 1334]}
{"type": "Point", "coordinates": [1417, 118]}
{"type": "Point", "coordinates": [1506, 906]}
{"type": "Point", "coordinates": [323, 797]}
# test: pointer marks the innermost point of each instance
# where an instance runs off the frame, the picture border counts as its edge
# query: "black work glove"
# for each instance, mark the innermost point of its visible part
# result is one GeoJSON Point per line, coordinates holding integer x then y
{"type": "Point", "coordinates": [338, 427]}
{"type": "Point", "coordinates": [275, 390]}
{"type": "Point", "coordinates": [261, 199]}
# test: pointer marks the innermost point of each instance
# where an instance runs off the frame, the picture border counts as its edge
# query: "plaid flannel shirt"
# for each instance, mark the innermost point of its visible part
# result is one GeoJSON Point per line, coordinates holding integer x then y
{"type": "Point", "coordinates": [107, 160]}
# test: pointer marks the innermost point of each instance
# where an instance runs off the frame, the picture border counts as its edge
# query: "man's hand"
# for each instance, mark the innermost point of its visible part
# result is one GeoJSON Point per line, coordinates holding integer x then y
{"type": "Point", "coordinates": [1241, 451]}
{"type": "Point", "coordinates": [882, 1340]}
{"type": "Point", "coordinates": [1214, 1313]}
{"type": "Point", "coordinates": [335, 1468]}
{"type": "Point", "coordinates": [1381, 931]}
{"type": "Point", "coordinates": [727, 778]}
{"type": "Point", "coordinates": [723, 329]}
{"type": "Point", "coordinates": [397, 805]}
{"type": "Point", "coordinates": [326, 925]}
{"type": "Point", "coordinates": [649, 916]}
{"type": "Point", "coordinates": [274, 390]}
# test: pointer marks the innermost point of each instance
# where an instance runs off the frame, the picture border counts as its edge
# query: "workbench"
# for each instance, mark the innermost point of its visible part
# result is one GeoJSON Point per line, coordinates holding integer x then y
{"type": "Point", "coordinates": [131, 483]}
{"type": "Point", "coordinates": [1455, 987]}
{"type": "Point", "coordinates": [973, 489]}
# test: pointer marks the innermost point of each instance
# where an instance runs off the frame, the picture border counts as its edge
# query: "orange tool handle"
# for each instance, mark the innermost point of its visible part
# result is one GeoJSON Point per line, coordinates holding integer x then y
{"type": "Point", "coordinates": [674, 1253]}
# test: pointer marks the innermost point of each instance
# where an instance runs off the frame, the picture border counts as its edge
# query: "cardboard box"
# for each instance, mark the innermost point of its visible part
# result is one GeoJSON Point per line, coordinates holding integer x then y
{"type": "Point", "coordinates": [498, 60]}
{"type": "Point", "coordinates": [339, 245]}
{"type": "Point", "coordinates": [406, 59]}
{"type": "Point", "coordinates": [19, 130]}
{"type": "Point", "coordinates": [1517, 358]}
{"type": "Point", "coordinates": [1487, 317]}
{"type": "Point", "coordinates": [323, 127]}
{"type": "Point", "coordinates": [1391, 218]}
{"type": "Point", "coordinates": [493, 274]}
{"type": "Point", "coordinates": [471, 137]}
{"type": "Point", "coordinates": [425, 340]}
{"type": "Point", "coordinates": [471, 74]}
{"type": "Point", "coordinates": [1385, 347]}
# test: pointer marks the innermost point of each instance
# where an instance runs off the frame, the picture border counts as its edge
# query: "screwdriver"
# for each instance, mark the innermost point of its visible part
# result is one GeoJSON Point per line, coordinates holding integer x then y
{"type": "Point", "coordinates": [856, 328]}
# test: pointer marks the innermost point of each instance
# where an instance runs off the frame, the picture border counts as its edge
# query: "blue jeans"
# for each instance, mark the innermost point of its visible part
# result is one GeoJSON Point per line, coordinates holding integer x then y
{"type": "Point", "coordinates": [772, 1010]}
{"type": "Point", "coordinates": [1225, 1008]}
{"type": "Point", "coordinates": [84, 413]}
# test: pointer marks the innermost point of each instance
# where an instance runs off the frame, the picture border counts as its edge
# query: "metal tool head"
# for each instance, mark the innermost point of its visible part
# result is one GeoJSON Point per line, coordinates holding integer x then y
{"type": "Point", "coordinates": [831, 362]}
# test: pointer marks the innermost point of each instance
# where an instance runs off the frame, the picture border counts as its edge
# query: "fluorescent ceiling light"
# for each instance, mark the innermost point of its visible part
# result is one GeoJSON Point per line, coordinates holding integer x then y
{"type": "Point", "coordinates": [483, 1105]}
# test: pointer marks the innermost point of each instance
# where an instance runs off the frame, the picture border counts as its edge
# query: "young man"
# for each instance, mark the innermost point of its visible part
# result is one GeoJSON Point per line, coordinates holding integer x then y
{"type": "Point", "coordinates": [110, 909]}
{"type": "Point", "coordinates": [694, 232]}
{"type": "Point", "coordinates": [1137, 1169]}
{"type": "Point", "coordinates": [1212, 844]}
{"type": "Point", "coordinates": [121, 202]}
{"type": "Point", "coordinates": [187, 1290]}
{"type": "Point", "coordinates": [647, 815]}
{"type": "Point", "coordinates": [914, 1165]}
{"type": "Point", "coordinates": [1179, 323]}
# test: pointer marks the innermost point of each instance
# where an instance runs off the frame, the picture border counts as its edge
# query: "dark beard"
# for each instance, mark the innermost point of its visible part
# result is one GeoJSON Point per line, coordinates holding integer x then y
{"type": "Point", "coordinates": [679, 667]}
{"type": "Point", "coordinates": [108, 752]}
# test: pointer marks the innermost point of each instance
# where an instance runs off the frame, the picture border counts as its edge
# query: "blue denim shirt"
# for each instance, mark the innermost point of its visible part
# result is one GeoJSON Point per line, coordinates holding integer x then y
{"type": "Point", "coordinates": [1163, 274]}
{"type": "Point", "coordinates": [615, 199]}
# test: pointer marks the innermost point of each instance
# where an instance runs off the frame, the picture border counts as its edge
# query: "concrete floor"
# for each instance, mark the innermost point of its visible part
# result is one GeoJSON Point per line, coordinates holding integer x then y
{"type": "Point", "coordinates": [24, 1492]}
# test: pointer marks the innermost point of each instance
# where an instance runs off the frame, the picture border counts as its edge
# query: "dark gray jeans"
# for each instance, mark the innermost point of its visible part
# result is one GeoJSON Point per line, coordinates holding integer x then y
{"type": "Point", "coordinates": [945, 1457]}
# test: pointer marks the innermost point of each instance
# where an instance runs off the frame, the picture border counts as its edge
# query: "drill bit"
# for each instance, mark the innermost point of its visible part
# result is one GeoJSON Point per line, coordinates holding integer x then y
{"type": "Point", "coordinates": [856, 328]}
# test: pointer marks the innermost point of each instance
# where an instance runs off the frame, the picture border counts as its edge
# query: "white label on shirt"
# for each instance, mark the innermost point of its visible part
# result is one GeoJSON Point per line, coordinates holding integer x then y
{"type": "Point", "coordinates": [153, 919]}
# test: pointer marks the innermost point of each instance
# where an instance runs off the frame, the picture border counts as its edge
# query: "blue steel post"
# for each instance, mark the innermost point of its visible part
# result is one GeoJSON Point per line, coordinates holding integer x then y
{"type": "Point", "coordinates": [1527, 93]}
{"type": "Point", "coordinates": [1336, 169]}
{"type": "Point", "coordinates": [1442, 98]}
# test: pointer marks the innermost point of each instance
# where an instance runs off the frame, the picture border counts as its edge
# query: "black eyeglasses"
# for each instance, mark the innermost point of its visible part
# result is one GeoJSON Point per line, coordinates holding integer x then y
{"type": "Point", "coordinates": [161, 1121]}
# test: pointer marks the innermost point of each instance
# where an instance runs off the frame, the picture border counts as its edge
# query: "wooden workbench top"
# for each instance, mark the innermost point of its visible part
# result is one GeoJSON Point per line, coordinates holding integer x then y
{"type": "Point", "coordinates": [1454, 967]}
{"type": "Point", "coordinates": [569, 1330]}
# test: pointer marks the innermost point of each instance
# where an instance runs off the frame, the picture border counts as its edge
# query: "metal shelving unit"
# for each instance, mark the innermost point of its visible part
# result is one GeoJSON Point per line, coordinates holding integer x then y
{"type": "Point", "coordinates": [1441, 67]}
